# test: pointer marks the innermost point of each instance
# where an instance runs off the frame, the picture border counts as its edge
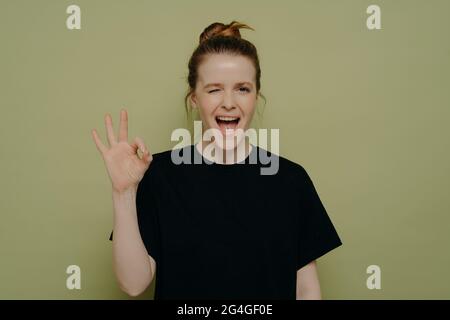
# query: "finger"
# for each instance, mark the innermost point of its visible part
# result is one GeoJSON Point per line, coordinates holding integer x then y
{"type": "Point", "coordinates": [109, 129]}
{"type": "Point", "coordinates": [123, 128]}
{"type": "Point", "coordinates": [148, 156]}
{"type": "Point", "coordinates": [139, 144]}
{"type": "Point", "coordinates": [134, 145]}
{"type": "Point", "coordinates": [100, 146]}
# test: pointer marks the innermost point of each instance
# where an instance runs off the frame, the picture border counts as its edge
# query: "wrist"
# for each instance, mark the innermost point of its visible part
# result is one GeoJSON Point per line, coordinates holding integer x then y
{"type": "Point", "coordinates": [124, 192]}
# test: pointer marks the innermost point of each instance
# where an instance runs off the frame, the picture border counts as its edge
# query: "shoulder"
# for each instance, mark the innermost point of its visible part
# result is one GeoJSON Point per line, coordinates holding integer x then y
{"type": "Point", "coordinates": [162, 157]}
{"type": "Point", "coordinates": [166, 158]}
{"type": "Point", "coordinates": [163, 161]}
{"type": "Point", "coordinates": [159, 161]}
{"type": "Point", "coordinates": [286, 167]}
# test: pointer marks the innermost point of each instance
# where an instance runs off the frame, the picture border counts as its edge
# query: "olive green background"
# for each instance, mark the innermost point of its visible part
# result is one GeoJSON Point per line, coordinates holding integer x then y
{"type": "Point", "coordinates": [365, 112]}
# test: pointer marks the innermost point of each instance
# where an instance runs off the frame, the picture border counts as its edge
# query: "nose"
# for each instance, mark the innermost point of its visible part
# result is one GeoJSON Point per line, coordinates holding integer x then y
{"type": "Point", "coordinates": [228, 107]}
{"type": "Point", "coordinates": [228, 102]}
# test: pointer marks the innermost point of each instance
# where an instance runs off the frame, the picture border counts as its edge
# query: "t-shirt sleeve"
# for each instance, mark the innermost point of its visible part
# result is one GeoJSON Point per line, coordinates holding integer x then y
{"type": "Point", "coordinates": [317, 235]}
{"type": "Point", "coordinates": [147, 212]}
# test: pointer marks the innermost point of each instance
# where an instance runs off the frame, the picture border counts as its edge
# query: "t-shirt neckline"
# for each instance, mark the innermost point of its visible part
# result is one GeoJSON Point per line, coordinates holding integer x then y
{"type": "Point", "coordinates": [209, 162]}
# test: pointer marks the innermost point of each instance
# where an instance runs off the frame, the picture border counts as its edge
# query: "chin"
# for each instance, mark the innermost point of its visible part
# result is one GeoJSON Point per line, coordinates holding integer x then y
{"type": "Point", "coordinates": [230, 141]}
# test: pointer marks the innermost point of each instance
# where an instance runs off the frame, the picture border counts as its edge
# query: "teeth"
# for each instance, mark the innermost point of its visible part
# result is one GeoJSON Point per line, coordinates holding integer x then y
{"type": "Point", "coordinates": [227, 118]}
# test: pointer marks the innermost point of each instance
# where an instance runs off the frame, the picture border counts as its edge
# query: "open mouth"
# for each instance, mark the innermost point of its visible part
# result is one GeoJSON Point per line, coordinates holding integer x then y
{"type": "Point", "coordinates": [227, 123]}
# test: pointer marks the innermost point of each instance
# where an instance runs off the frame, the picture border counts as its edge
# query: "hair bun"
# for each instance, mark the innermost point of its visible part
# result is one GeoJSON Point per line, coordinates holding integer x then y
{"type": "Point", "coordinates": [227, 30]}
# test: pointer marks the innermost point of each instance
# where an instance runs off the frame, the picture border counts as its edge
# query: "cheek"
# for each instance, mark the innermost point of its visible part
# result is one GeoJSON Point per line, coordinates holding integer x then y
{"type": "Point", "coordinates": [206, 110]}
{"type": "Point", "coordinates": [248, 105]}
{"type": "Point", "coordinates": [209, 103]}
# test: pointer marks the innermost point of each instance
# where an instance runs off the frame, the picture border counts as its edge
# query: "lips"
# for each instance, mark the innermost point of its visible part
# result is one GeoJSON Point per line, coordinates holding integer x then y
{"type": "Point", "coordinates": [227, 122]}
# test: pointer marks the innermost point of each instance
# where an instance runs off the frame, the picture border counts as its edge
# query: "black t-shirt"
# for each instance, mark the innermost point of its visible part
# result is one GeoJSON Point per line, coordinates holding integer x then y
{"type": "Point", "coordinates": [226, 231]}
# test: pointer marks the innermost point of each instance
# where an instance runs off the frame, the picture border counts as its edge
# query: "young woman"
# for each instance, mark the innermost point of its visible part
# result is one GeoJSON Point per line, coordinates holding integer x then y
{"type": "Point", "coordinates": [218, 229]}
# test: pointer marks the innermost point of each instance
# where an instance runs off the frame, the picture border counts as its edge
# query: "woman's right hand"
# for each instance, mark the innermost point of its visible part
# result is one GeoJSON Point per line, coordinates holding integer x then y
{"type": "Point", "coordinates": [125, 167]}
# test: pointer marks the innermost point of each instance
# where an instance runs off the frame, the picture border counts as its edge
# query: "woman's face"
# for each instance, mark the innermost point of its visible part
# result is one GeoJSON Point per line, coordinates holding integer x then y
{"type": "Point", "coordinates": [225, 94]}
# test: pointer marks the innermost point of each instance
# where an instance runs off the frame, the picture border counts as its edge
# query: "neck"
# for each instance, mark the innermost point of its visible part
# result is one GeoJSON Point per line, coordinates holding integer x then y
{"type": "Point", "coordinates": [226, 156]}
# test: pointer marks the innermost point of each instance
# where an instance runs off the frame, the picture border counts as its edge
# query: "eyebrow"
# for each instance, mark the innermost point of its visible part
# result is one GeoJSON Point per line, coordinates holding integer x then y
{"type": "Point", "coordinates": [219, 84]}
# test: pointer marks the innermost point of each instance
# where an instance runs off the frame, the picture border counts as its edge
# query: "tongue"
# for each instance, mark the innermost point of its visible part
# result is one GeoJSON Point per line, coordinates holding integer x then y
{"type": "Point", "coordinates": [223, 125]}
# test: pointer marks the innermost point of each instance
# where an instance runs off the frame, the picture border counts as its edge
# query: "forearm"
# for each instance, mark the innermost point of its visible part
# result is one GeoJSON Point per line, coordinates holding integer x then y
{"type": "Point", "coordinates": [130, 258]}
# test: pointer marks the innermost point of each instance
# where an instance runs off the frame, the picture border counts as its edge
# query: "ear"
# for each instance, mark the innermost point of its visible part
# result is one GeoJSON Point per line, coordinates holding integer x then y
{"type": "Point", "coordinates": [193, 99]}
